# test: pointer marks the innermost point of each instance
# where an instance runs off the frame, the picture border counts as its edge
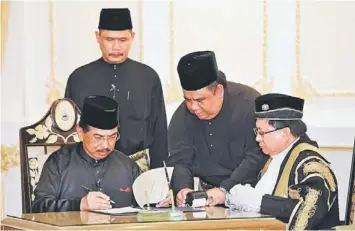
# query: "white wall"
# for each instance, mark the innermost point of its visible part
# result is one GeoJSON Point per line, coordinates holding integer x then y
{"type": "Point", "coordinates": [259, 43]}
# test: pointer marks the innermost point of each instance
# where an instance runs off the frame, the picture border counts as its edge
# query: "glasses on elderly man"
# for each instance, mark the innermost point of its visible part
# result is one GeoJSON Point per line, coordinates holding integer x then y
{"type": "Point", "coordinates": [261, 133]}
{"type": "Point", "coordinates": [110, 139]}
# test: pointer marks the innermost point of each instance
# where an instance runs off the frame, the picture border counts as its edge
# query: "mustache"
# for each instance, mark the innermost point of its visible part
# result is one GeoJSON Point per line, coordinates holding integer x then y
{"type": "Point", "coordinates": [104, 150]}
{"type": "Point", "coordinates": [111, 54]}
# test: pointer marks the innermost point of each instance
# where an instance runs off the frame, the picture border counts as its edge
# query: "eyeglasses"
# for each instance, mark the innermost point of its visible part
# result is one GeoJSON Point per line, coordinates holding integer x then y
{"type": "Point", "coordinates": [110, 139]}
{"type": "Point", "coordinates": [260, 133]}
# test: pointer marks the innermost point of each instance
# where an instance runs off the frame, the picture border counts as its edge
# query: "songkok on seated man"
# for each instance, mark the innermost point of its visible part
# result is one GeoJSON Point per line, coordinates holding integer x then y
{"type": "Point", "coordinates": [90, 167]}
{"type": "Point", "coordinates": [115, 19]}
{"type": "Point", "coordinates": [296, 179]}
{"type": "Point", "coordinates": [100, 112]}
{"type": "Point", "coordinates": [279, 107]}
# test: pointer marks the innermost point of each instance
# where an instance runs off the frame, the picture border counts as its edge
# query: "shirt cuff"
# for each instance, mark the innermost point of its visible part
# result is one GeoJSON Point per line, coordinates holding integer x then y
{"type": "Point", "coordinates": [244, 198]}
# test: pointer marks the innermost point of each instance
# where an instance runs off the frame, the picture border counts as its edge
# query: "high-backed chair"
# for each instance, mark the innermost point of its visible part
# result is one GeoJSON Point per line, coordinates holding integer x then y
{"type": "Point", "coordinates": [38, 141]}
{"type": "Point", "coordinates": [350, 206]}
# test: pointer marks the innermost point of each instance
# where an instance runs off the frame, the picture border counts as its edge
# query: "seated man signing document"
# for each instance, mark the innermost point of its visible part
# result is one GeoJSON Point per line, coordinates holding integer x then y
{"type": "Point", "coordinates": [88, 175]}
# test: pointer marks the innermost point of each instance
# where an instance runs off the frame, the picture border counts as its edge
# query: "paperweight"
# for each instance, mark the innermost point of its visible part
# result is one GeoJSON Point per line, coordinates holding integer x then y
{"type": "Point", "coordinates": [176, 215]}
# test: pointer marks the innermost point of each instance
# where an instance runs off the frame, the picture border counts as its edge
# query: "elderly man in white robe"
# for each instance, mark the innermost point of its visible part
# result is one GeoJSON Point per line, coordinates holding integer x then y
{"type": "Point", "coordinates": [296, 185]}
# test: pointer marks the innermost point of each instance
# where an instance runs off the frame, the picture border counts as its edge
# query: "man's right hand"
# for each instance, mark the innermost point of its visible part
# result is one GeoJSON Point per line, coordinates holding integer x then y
{"type": "Point", "coordinates": [95, 200]}
{"type": "Point", "coordinates": [181, 196]}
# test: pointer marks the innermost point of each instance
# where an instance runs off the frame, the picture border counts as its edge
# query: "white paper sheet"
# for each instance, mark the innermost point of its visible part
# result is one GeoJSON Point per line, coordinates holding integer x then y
{"type": "Point", "coordinates": [153, 182]}
{"type": "Point", "coordinates": [119, 210]}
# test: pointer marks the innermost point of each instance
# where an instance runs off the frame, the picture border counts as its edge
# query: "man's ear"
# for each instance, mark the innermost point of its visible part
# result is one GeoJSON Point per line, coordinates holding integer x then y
{"type": "Point", "coordinates": [80, 132]}
{"type": "Point", "coordinates": [133, 34]}
{"type": "Point", "coordinates": [97, 35]}
{"type": "Point", "coordinates": [220, 90]}
{"type": "Point", "coordinates": [286, 132]}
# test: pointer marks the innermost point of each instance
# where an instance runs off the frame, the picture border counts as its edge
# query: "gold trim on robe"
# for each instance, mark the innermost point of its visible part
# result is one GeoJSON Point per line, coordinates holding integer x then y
{"type": "Point", "coordinates": [282, 186]}
{"type": "Point", "coordinates": [307, 210]}
{"type": "Point", "coordinates": [319, 167]}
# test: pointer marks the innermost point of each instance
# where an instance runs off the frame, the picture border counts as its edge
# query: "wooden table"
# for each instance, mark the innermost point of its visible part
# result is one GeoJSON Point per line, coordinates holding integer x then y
{"type": "Point", "coordinates": [212, 218]}
{"type": "Point", "coordinates": [345, 227]}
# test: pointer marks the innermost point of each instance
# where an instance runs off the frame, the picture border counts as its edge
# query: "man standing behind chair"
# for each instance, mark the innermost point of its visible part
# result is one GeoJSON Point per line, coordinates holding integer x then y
{"type": "Point", "coordinates": [90, 174]}
{"type": "Point", "coordinates": [202, 138]}
{"type": "Point", "coordinates": [135, 86]}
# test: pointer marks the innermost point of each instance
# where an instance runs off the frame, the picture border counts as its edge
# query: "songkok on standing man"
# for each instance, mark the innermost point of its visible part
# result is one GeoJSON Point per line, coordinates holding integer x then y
{"type": "Point", "coordinates": [135, 86]}
{"type": "Point", "coordinates": [210, 134]}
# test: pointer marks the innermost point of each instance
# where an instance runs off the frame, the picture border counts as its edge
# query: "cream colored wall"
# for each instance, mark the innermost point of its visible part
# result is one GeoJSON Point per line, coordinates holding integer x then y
{"type": "Point", "coordinates": [305, 48]}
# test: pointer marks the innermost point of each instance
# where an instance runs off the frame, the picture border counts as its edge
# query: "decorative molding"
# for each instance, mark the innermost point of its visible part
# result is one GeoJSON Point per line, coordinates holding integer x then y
{"type": "Point", "coordinates": [326, 148]}
{"type": "Point", "coordinates": [2, 197]}
{"type": "Point", "coordinates": [141, 30]}
{"type": "Point", "coordinates": [300, 86]}
{"type": "Point", "coordinates": [54, 86]}
{"type": "Point", "coordinates": [174, 95]}
{"type": "Point", "coordinates": [4, 9]}
{"type": "Point", "coordinates": [10, 157]}
{"type": "Point", "coordinates": [264, 85]}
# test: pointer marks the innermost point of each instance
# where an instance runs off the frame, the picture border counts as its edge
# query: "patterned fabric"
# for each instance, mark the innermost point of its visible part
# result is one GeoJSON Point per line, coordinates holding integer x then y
{"type": "Point", "coordinates": [315, 186]}
{"type": "Point", "coordinates": [142, 159]}
{"type": "Point", "coordinates": [306, 193]}
{"type": "Point", "coordinates": [34, 174]}
{"type": "Point", "coordinates": [36, 160]}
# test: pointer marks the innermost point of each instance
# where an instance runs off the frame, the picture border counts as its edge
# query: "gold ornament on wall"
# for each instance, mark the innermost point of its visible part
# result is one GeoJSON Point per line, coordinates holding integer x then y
{"type": "Point", "coordinates": [54, 86]}
{"type": "Point", "coordinates": [174, 93]}
{"type": "Point", "coordinates": [141, 30]}
{"type": "Point", "coordinates": [264, 85]}
{"type": "Point", "coordinates": [4, 5]}
{"type": "Point", "coordinates": [10, 157]}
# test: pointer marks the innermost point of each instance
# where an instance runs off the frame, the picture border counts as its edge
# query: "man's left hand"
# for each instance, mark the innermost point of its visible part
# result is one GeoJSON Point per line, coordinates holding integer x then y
{"type": "Point", "coordinates": [215, 196]}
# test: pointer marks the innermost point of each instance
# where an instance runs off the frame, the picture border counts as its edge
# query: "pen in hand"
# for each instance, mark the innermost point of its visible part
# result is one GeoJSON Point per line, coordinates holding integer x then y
{"type": "Point", "coordinates": [170, 189]}
{"type": "Point", "coordinates": [91, 191]}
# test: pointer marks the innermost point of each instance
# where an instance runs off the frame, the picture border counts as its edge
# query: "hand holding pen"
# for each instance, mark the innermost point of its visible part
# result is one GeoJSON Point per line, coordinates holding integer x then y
{"type": "Point", "coordinates": [95, 200]}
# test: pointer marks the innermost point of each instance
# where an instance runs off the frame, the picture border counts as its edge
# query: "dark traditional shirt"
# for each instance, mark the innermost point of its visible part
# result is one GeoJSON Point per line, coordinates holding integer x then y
{"type": "Point", "coordinates": [312, 198]}
{"type": "Point", "coordinates": [137, 89]}
{"type": "Point", "coordinates": [214, 149]}
{"type": "Point", "coordinates": [66, 171]}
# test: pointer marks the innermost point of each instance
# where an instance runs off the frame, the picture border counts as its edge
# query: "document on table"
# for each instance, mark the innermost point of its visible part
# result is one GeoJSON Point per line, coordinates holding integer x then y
{"type": "Point", "coordinates": [119, 211]}
{"type": "Point", "coordinates": [182, 209]}
{"type": "Point", "coordinates": [126, 211]}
